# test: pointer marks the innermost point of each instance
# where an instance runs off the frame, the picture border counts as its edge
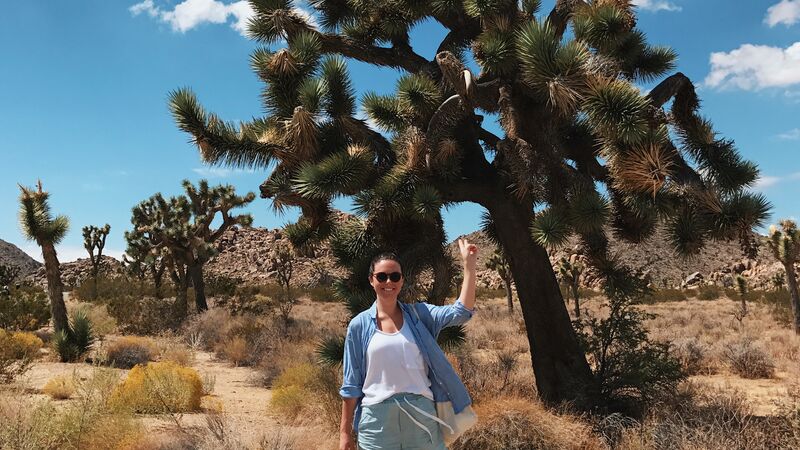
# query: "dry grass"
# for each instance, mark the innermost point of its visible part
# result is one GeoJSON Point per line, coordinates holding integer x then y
{"type": "Point", "coordinates": [510, 423]}
{"type": "Point", "coordinates": [61, 387]}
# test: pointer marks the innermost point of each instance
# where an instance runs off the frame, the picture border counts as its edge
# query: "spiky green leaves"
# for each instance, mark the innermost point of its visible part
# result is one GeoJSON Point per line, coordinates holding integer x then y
{"type": "Point", "coordinates": [555, 71]}
{"type": "Point", "coordinates": [418, 96]}
{"type": "Point", "coordinates": [687, 232]}
{"type": "Point", "coordinates": [384, 110]}
{"type": "Point", "coordinates": [485, 8]}
{"type": "Point", "coordinates": [341, 96]}
{"type": "Point", "coordinates": [426, 202]}
{"type": "Point", "coordinates": [588, 212]}
{"type": "Point", "coordinates": [275, 20]}
{"type": "Point", "coordinates": [494, 51]}
{"type": "Point", "coordinates": [617, 109]}
{"type": "Point", "coordinates": [340, 173]}
{"type": "Point", "coordinates": [36, 219]}
{"type": "Point", "coordinates": [550, 228]}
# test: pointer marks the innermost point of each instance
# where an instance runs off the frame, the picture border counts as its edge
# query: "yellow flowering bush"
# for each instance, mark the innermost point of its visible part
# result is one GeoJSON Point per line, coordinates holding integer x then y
{"type": "Point", "coordinates": [160, 387]}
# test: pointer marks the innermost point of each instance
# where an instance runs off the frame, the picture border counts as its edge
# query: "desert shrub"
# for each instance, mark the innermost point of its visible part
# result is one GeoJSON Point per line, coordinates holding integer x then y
{"type": "Point", "coordinates": [17, 352]}
{"type": "Point", "coordinates": [748, 360]}
{"type": "Point", "coordinates": [234, 350]}
{"type": "Point", "coordinates": [111, 289]}
{"type": "Point", "coordinates": [691, 354]}
{"type": "Point", "coordinates": [630, 370]}
{"type": "Point", "coordinates": [102, 322]}
{"type": "Point", "coordinates": [322, 294]}
{"type": "Point", "coordinates": [143, 315]}
{"type": "Point", "coordinates": [664, 295]}
{"type": "Point", "coordinates": [76, 340]}
{"type": "Point", "coordinates": [307, 391]}
{"type": "Point", "coordinates": [61, 387]}
{"type": "Point", "coordinates": [176, 353]}
{"type": "Point", "coordinates": [24, 308]}
{"type": "Point", "coordinates": [160, 387]}
{"type": "Point", "coordinates": [207, 329]}
{"type": "Point", "coordinates": [87, 422]}
{"type": "Point", "coordinates": [709, 292]}
{"type": "Point", "coordinates": [209, 383]}
{"type": "Point", "coordinates": [128, 351]}
{"type": "Point", "coordinates": [509, 423]}
{"type": "Point", "coordinates": [221, 286]}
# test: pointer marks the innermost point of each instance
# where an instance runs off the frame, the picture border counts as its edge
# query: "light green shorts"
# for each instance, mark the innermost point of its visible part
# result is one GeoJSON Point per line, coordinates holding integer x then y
{"type": "Point", "coordinates": [401, 422]}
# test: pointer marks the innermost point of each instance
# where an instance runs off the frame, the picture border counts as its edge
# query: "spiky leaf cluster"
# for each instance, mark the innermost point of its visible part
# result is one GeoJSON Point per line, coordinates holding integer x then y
{"type": "Point", "coordinates": [36, 219]}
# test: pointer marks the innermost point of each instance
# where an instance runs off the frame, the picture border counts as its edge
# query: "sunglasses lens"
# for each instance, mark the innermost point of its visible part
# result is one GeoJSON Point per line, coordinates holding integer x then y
{"type": "Point", "coordinates": [382, 277]}
{"type": "Point", "coordinates": [395, 276]}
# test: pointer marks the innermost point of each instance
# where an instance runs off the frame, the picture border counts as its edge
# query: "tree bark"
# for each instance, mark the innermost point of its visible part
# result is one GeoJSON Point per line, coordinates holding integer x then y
{"type": "Point", "coordinates": [181, 287]}
{"type": "Point", "coordinates": [791, 282]}
{"type": "Point", "coordinates": [559, 364]}
{"type": "Point", "coordinates": [54, 287]}
{"type": "Point", "coordinates": [575, 288]}
{"type": "Point", "coordinates": [509, 295]}
{"type": "Point", "coordinates": [196, 274]}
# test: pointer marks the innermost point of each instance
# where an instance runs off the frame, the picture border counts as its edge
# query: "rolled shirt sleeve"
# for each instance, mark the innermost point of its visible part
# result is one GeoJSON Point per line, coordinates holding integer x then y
{"type": "Point", "coordinates": [352, 381]}
{"type": "Point", "coordinates": [449, 315]}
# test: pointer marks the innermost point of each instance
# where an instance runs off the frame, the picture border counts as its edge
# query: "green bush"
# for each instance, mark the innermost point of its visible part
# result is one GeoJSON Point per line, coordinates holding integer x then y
{"type": "Point", "coordinates": [76, 340]}
{"type": "Point", "coordinates": [143, 315]}
{"type": "Point", "coordinates": [664, 295]}
{"type": "Point", "coordinates": [129, 351]}
{"type": "Point", "coordinates": [24, 308]}
{"type": "Point", "coordinates": [631, 372]}
{"type": "Point", "coordinates": [709, 292]}
{"type": "Point", "coordinates": [322, 294]}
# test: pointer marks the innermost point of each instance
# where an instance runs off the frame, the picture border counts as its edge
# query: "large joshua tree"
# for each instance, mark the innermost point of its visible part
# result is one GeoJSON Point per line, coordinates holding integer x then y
{"type": "Point", "coordinates": [38, 224]}
{"type": "Point", "coordinates": [785, 245]}
{"type": "Point", "coordinates": [582, 150]}
{"type": "Point", "coordinates": [182, 227]}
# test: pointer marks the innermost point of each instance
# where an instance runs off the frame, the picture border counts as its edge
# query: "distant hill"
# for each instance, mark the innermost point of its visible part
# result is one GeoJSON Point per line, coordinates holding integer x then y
{"type": "Point", "coordinates": [247, 253]}
{"type": "Point", "coordinates": [11, 255]}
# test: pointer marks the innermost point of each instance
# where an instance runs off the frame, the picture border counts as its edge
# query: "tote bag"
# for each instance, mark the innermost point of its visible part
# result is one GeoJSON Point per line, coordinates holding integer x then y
{"type": "Point", "coordinates": [457, 424]}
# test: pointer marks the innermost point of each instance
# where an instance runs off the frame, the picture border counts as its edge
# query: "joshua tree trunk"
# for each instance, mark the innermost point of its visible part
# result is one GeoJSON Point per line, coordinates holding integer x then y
{"type": "Point", "coordinates": [575, 288]}
{"type": "Point", "coordinates": [559, 363]}
{"type": "Point", "coordinates": [158, 275]}
{"type": "Point", "coordinates": [54, 287]}
{"type": "Point", "coordinates": [791, 282]}
{"type": "Point", "coordinates": [196, 273]}
{"type": "Point", "coordinates": [509, 296]}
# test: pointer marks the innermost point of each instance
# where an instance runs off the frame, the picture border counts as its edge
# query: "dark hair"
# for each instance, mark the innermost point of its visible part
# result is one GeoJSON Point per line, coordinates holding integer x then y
{"type": "Point", "coordinates": [385, 256]}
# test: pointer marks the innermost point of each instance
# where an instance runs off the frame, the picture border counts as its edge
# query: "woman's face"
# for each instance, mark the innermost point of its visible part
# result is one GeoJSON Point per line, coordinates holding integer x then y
{"type": "Point", "coordinates": [387, 290]}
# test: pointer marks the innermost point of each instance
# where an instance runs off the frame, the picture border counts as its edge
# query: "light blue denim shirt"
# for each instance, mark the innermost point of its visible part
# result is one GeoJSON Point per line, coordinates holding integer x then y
{"type": "Point", "coordinates": [445, 384]}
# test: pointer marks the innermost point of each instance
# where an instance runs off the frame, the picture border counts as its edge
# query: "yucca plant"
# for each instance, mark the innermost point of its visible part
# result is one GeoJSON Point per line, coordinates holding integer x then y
{"type": "Point", "coordinates": [76, 340]}
{"type": "Point", "coordinates": [785, 245]}
{"type": "Point", "coordinates": [498, 263]}
{"type": "Point", "coordinates": [572, 120]}
{"type": "Point", "coordinates": [570, 271]}
{"type": "Point", "coordinates": [38, 224]}
{"type": "Point", "coordinates": [94, 240]}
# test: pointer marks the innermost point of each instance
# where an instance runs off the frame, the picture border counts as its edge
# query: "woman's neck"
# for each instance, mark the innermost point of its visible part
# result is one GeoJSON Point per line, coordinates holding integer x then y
{"type": "Point", "coordinates": [387, 306]}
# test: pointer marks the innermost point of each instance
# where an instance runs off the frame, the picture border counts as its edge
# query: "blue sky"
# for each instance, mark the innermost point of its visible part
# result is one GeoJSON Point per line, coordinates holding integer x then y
{"type": "Point", "coordinates": [84, 86]}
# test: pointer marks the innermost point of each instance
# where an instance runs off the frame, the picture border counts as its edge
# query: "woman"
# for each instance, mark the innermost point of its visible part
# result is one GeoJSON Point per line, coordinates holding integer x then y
{"type": "Point", "coordinates": [393, 369]}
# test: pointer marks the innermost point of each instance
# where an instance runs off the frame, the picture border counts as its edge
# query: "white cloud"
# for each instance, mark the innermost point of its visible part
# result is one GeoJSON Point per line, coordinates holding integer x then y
{"type": "Point", "coordinates": [656, 5]}
{"type": "Point", "coordinates": [190, 13]}
{"type": "Point", "coordinates": [754, 67]}
{"type": "Point", "coordinates": [791, 135]}
{"type": "Point", "coordinates": [766, 182]}
{"type": "Point", "coordinates": [786, 12]}
{"type": "Point", "coordinates": [220, 172]}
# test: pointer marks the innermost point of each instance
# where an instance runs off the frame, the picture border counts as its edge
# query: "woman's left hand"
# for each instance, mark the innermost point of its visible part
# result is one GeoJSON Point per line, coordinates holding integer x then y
{"type": "Point", "coordinates": [469, 254]}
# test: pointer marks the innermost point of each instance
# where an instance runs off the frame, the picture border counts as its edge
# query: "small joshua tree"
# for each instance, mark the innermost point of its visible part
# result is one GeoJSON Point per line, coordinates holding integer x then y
{"type": "Point", "coordinates": [742, 291]}
{"type": "Point", "coordinates": [38, 224]}
{"type": "Point", "coordinates": [571, 270]}
{"type": "Point", "coordinates": [785, 245]}
{"type": "Point", "coordinates": [94, 239]}
{"type": "Point", "coordinates": [778, 281]}
{"type": "Point", "coordinates": [181, 226]}
{"type": "Point", "coordinates": [284, 266]}
{"type": "Point", "coordinates": [498, 263]}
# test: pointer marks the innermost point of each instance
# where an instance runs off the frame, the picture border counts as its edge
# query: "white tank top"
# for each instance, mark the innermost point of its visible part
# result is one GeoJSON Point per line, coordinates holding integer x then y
{"type": "Point", "coordinates": [394, 365]}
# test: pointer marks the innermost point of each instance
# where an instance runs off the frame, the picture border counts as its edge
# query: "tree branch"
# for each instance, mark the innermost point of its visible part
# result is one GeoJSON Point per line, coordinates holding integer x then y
{"type": "Point", "coordinates": [400, 57]}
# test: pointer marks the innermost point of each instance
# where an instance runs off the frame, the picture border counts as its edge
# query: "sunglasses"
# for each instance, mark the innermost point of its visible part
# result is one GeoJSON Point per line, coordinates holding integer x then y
{"type": "Point", "coordinates": [383, 276]}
